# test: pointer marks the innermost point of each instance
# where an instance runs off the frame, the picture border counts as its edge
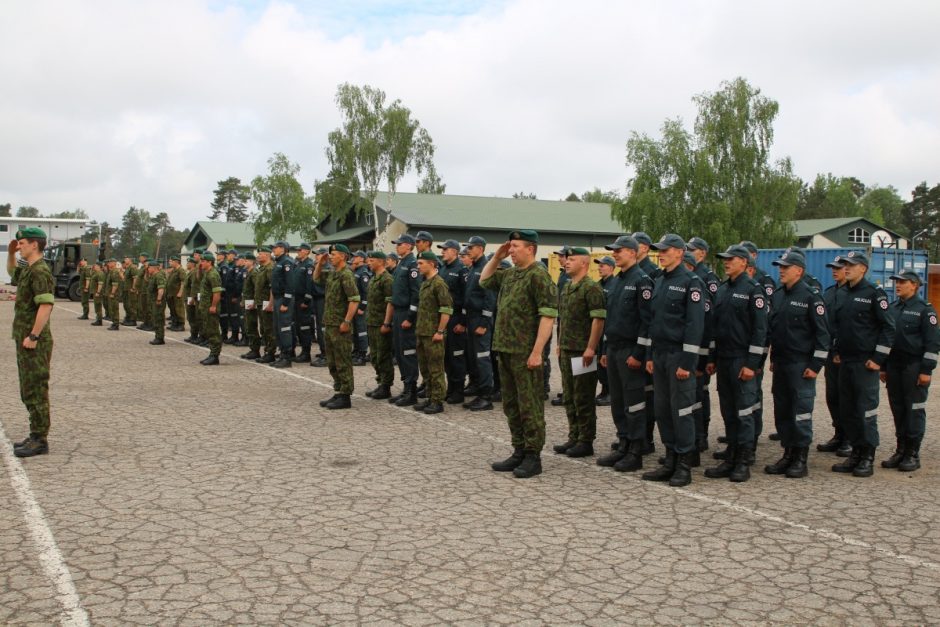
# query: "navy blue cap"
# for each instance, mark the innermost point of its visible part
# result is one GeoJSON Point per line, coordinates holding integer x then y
{"type": "Point", "coordinates": [424, 236]}
{"type": "Point", "coordinates": [282, 244]}
{"type": "Point", "coordinates": [624, 241]}
{"type": "Point", "coordinates": [464, 251]}
{"type": "Point", "coordinates": [476, 240]}
{"type": "Point", "coordinates": [607, 261]}
{"type": "Point", "coordinates": [689, 258]}
{"type": "Point", "coordinates": [791, 258]}
{"type": "Point", "coordinates": [393, 256]}
{"type": "Point", "coordinates": [697, 243]}
{"type": "Point", "coordinates": [404, 238]}
{"type": "Point", "coordinates": [838, 262]}
{"type": "Point", "coordinates": [735, 250]}
{"type": "Point", "coordinates": [451, 243]}
{"type": "Point", "coordinates": [907, 275]}
{"type": "Point", "coordinates": [751, 246]}
{"type": "Point", "coordinates": [643, 238]}
{"type": "Point", "coordinates": [303, 246]}
{"type": "Point", "coordinates": [669, 240]}
{"type": "Point", "coordinates": [856, 257]}
{"type": "Point", "coordinates": [360, 253]}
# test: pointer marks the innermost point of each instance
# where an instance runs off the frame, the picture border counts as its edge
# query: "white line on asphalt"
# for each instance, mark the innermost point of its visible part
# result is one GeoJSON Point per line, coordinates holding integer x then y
{"type": "Point", "coordinates": [704, 498]}
{"type": "Point", "coordinates": [53, 563]}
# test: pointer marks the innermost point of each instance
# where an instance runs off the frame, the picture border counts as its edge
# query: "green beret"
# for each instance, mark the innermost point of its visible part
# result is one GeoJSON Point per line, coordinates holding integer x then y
{"type": "Point", "coordinates": [190, 260]}
{"type": "Point", "coordinates": [31, 232]}
{"type": "Point", "coordinates": [526, 235]}
{"type": "Point", "coordinates": [175, 258]}
{"type": "Point", "coordinates": [112, 260]}
{"type": "Point", "coordinates": [577, 251]}
{"type": "Point", "coordinates": [376, 254]}
{"type": "Point", "coordinates": [208, 256]}
{"type": "Point", "coordinates": [198, 251]}
{"type": "Point", "coordinates": [264, 249]}
{"type": "Point", "coordinates": [340, 248]}
{"type": "Point", "coordinates": [249, 255]}
{"type": "Point", "coordinates": [428, 256]}
{"type": "Point", "coordinates": [144, 255]}
{"type": "Point", "coordinates": [153, 263]}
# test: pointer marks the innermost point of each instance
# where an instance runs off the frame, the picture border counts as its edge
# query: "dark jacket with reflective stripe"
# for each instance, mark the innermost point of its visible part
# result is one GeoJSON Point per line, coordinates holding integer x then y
{"type": "Point", "coordinates": [799, 327]}
{"type": "Point", "coordinates": [629, 301]}
{"type": "Point", "coordinates": [678, 315]}
{"type": "Point", "coordinates": [740, 320]}
{"type": "Point", "coordinates": [917, 337]}
{"type": "Point", "coordinates": [864, 329]}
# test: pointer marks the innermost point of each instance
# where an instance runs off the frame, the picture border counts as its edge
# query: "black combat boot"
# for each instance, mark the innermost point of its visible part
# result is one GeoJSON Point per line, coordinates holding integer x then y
{"type": "Point", "coordinates": [319, 362]}
{"type": "Point", "coordinates": [781, 465]}
{"type": "Point", "coordinates": [616, 455]}
{"type": "Point", "coordinates": [832, 444]}
{"type": "Point", "coordinates": [454, 394]}
{"type": "Point", "coordinates": [128, 323]}
{"type": "Point", "coordinates": [303, 357]}
{"type": "Point", "coordinates": [327, 401]}
{"type": "Point", "coordinates": [866, 463]}
{"type": "Point", "coordinates": [798, 468]}
{"type": "Point", "coordinates": [531, 465]}
{"type": "Point", "coordinates": [911, 459]}
{"type": "Point", "coordinates": [496, 396]}
{"type": "Point", "coordinates": [211, 360]}
{"type": "Point", "coordinates": [157, 342]}
{"type": "Point", "coordinates": [341, 401]}
{"type": "Point", "coordinates": [682, 476]}
{"type": "Point", "coordinates": [562, 448]}
{"type": "Point", "coordinates": [382, 392]}
{"type": "Point", "coordinates": [742, 469]}
{"type": "Point", "coordinates": [774, 437]}
{"type": "Point", "coordinates": [694, 458]}
{"type": "Point", "coordinates": [633, 460]}
{"type": "Point", "coordinates": [433, 408]}
{"type": "Point", "coordinates": [481, 403]}
{"type": "Point", "coordinates": [511, 463]}
{"type": "Point", "coordinates": [33, 445]}
{"type": "Point", "coordinates": [665, 471]}
{"type": "Point", "coordinates": [724, 469]}
{"type": "Point", "coordinates": [895, 459]}
{"type": "Point", "coordinates": [251, 355]}
{"type": "Point", "coordinates": [581, 449]}
{"type": "Point", "coordinates": [725, 454]}
{"type": "Point", "coordinates": [83, 317]}
{"type": "Point", "coordinates": [267, 358]}
{"type": "Point", "coordinates": [420, 405]}
{"type": "Point", "coordinates": [114, 327]}
{"type": "Point", "coordinates": [97, 323]}
{"type": "Point", "coordinates": [409, 397]}
{"type": "Point", "coordinates": [603, 399]}
{"type": "Point", "coordinates": [358, 359]}
{"type": "Point", "coordinates": [472, 389]}
{"type": "Point", "coordinates": [422, 390]}
{"type": "Point", "coordinates": [558, 401]}
{"type": "Point", "coordinates": [851, 461]}
{"type": "Point", "coordinates": [283, 362]}
{"type": "Point", "coordinates": [845, 449]}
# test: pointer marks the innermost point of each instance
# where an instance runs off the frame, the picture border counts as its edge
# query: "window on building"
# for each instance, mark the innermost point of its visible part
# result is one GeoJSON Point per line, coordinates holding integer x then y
{"type": "Point", "coordinates": [4, 228]}
{"type": "Point", "coordinates": [859, 236]}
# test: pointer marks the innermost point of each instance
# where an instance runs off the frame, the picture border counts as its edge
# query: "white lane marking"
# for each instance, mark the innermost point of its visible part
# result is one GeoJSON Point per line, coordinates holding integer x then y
{"type": "Point", "coordinates": [53, 563]}
{"type": "Point", "coordinates": [704, 498]}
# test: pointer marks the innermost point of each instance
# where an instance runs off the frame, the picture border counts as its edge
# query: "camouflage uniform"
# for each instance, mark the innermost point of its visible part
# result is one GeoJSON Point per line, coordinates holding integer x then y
{"type": "Point", "coordinates": [380, 346]}
{"type": "Point", "coordinates": [114, 295]}
{"type": "Point", "coordinates": [94, 288]}
{"type": "Point", "coordinates": [266, 318]}
{"type": "Point", "coordinates": [158, 317]}
{"type": "Point", "coordinates": [581, 303]}
{"type": "Point", "coordinates": [341, 290]}
{"type": "Point", "coordinates": [35, 287]}
{"type": "Point", "coordinates": [143, 296]}
{"type": "Point", "coordinates": [525, 296]}
{"type": "Point", "coordinates": [83, 275]}
{"type": "Point", "coordinates": [433, 300]}
{"type": "Point", "coordinates": [211, 284]}
{"type": "Point", "coordinates": [130, 299]}
{"type": "Point", "coordinates": [251, 315]}
{"type": "Point", "coordinates": [173, 283]}
{"type": "Point", "coordinates": [191, 289]}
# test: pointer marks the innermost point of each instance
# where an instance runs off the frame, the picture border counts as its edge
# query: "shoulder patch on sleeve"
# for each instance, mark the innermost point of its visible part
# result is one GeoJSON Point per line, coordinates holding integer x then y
{"type": "Point", "coordinates": [820, 310]}
{"type": "Point", "coordinates": [414, 274]}
{"type": "Point", "coordinates": [646, 294]}
{"type": "Point", "coordinates": [933, 319]}
{"type": "Point", "coordinates": [759, 302]}
{"type": "Point", "coordinates": [883, 303]}
{"type": "Point", "coordinates": [769, 290]}
{"type": "Point", "coordinates": [696, 296]}
{"type": "Point", "coordinates": [712, 287]}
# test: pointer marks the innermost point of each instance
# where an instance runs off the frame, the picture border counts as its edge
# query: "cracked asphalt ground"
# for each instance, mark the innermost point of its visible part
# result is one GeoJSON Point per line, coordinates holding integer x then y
{"type": "Point", "coordinates": [179, 494]}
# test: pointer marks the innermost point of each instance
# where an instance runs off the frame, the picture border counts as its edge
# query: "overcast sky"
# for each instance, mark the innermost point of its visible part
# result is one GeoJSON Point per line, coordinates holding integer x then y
{"type": "Point", "coordinates": [104, 105]}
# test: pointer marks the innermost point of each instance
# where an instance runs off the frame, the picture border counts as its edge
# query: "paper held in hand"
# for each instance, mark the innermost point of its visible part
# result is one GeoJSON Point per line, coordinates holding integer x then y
{"type": "Point", "coordinates": [578, 367]}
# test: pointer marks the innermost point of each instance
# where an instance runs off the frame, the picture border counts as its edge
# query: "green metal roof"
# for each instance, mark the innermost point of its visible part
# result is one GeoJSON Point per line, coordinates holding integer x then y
{"type": "Point", "coordinates": [808, 228]}
{"type": "Point", "coordinates": [346, 235]}
{"type": "Point", "coordinates": [237, 234]}
{"type": "Point", "coordinates": [431, 210]}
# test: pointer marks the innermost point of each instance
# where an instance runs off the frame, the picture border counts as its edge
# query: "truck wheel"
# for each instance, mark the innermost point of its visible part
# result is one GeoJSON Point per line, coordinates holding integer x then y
{"type": "Point", "coordinates": [73, 293]}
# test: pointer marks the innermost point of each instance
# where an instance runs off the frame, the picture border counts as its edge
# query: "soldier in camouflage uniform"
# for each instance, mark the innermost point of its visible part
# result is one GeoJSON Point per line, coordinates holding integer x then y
{"type": "Point", "coordinates": [130, 298]}
{"type": "Point", "coordinates": [580, 327]}
{"type": "Point", "coordinates": [526, 312]}
{"type": "Point", "coordinates": [435, 307]}
{"type": "Point", "coordinates": [380, 326]}
{"type": "Point", "coordinates": [210, 297]}
{"type": "Point", "coordinates": [174, 296]}
{"type": "Point", "coordinates": [265, 305]}
{"type": "Point", "coordinates": [251, 308]}
{"type": "Point", "coordinates": [194, 280]}
{"type": "Point", "coordinates": [341, 301]}
{"type": "Point", "coordinates": [83, 271]}
{"type": "Point", "coordinates": [95, 285]}
{"type": "Point", "coordinates": [157, 296]}
{"type": "Point", "coordinates": [32, 334]}
{"type": "Point", "coordinates": [115, 278]}
{"type": "Point", "coordinates": [143, 293]}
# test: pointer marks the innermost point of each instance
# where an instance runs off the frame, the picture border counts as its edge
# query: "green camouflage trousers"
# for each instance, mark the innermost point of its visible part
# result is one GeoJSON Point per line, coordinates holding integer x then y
{"type": "Point", "coordinates": [114, 311]}
{"type": "Point", "coordinates": [158, 319]}
{"type": "Point", "coordinates": [33, 367]}
{"type": "Point", "coordinates": [339, 359]}
{"type": "Point", "coordinates": [193, 320]}
{"type": "Point", "coordinates": [579, 394]}
{"type": "Point", "coordinates": [212, 331]}
{"type": "Point", "coordinates": [130, 305]}
{"type": "Point", "coordinates": [85, 300]}
{"type": "Point", "coordinates": [380, 354]}
{"type": "Point", "coordinates": [431, 366]}
{"type": "Point", "coordinates": [523, 402]}
{"type": "Point", "coordinates": [251, 329]}
{"type": "Point", "coordinates": [143, 306]}
{"type": "Point", "coordinates": [97, 301]}
{"type": "Point", "coordinates": [266, 320]}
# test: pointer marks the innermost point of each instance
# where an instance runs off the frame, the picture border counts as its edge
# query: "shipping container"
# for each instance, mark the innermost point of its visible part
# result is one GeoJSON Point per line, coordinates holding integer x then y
{"type": "Point", "coordinates": [884, 263]}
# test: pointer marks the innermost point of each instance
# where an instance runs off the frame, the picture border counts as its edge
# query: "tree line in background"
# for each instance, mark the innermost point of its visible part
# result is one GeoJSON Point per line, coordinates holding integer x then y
{"type": "Point", "coordinates": [715, 180]}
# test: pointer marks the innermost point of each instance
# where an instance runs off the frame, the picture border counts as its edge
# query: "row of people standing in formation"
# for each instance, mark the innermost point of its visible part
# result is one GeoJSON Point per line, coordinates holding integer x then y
{"type": "Point", "coordinates": [666, 329]}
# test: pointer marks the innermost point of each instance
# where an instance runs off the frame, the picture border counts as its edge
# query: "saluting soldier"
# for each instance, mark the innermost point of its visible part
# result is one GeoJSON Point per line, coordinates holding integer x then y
{"type": "Point", "coordinates": [264, 305]}
{"type": "Point", "coordinates": [526, 310]}
{"type": "Point", "coordinates": [832, 298]}
{"type": "Point", "coordinates": [210, 297]}
{"type": "Point", "coordinates": [740, 334]}
{"type": "Point", "coordinates": [95, 287]}
{"type": "Point", "coordinates": [283, 297]}
{"type": "Point", "coordinates": [435, 307]}
{"type": "Point", "coordinates": [341, 302]}
{"type": "Point", "coordinates": [404, 310]}
{"type": "Point", "coordinates": [581, 323]}
{"type": "Point", "coordinates": [379, 325]}
{"type": "Point", "coordinates": [864, 337]}
{"type": "Point", "coordinates": [627, 328]}
{"type": "Point", "coordinates": [83, 271]}
{"type": "Point", "coordinates": [114, 293]}
{"type": "Point", "coordinates": [157, 286]}
{"type": "Point", "coordinates": [251, 308]}
{"type": "Point", "coordinates": [799, 346]}
{"type": "Point", "coordinates": [676, 332]}
{"type": "Point", "coordinates": [130, 297]}
{"type": "Point", "coordinates": [454, 274]}
{"type": "Point", "coordinates": [909, 368]}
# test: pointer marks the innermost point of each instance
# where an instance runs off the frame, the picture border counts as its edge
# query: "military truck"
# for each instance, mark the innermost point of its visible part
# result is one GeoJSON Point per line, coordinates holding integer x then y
{"type": "Point", "coordinates": [63, 261]}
